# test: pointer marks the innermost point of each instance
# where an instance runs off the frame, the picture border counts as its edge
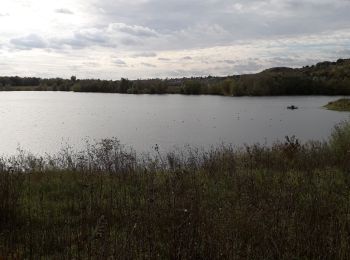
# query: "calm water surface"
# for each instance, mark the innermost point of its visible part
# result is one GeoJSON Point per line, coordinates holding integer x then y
{"type": "Point", "coordinates": [44, 121]}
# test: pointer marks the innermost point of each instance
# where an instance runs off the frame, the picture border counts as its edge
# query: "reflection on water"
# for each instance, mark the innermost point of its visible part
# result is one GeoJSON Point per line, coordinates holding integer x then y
{"type": "Point", "coordinates": [43, 121]}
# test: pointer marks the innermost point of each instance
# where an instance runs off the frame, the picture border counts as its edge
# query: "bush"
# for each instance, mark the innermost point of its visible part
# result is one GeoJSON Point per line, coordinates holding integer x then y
{"type": "Point", "coordinates": [10, 192]}
{"type": "Point", "coordinates": [340, 142]}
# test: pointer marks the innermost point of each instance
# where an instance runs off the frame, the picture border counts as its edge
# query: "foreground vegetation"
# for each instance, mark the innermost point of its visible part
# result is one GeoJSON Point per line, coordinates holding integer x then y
{"type": "Point", "coordinates": [325, 78]}
{"type": "Point", "coordinates": [287, 201]}
{"type": "Point", "coordinates": [339, 105]}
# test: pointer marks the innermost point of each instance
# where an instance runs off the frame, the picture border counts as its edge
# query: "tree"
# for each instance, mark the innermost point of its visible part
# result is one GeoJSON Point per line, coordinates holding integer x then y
{"type": "Point", "coordinates": [192, 87]}
{"type": "Point", "coordinates": [125, 84]}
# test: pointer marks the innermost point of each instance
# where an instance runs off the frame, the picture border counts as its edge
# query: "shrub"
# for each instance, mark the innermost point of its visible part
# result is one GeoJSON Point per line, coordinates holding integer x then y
{"type": "Point", "coordinates": [340, 142]}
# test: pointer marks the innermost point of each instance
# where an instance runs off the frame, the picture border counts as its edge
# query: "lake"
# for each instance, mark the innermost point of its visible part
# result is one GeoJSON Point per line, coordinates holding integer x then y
{"type": "Point", "coordinates": [42, 122]}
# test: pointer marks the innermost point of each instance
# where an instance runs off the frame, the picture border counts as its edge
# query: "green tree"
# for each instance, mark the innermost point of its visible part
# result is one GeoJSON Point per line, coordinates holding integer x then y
{"type": "Point", "coordinates": [192, 87]}
{"type": "Point", "coordinates": [125, 84]}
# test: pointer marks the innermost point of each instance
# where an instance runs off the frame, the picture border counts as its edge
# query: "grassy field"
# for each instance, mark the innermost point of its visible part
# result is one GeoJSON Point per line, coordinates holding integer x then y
{"type": "Point", "coordinates": [287, 201]}
{"type": "Point", "coordinates": [339, 105]}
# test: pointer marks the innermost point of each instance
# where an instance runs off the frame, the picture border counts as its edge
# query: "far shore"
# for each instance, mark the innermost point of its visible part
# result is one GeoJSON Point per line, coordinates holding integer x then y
{"type": "Point", "coordinates": [324, 78]}
{"type": "Point", "coordinates": [342, 104]}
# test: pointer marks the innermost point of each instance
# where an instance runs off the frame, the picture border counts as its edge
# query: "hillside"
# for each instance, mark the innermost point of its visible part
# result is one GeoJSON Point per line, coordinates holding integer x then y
{"type": "Point", "coordinates": [327, 78]}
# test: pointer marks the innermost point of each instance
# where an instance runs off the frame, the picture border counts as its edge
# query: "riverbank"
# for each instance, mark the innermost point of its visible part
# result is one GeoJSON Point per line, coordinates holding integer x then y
{"type": "Point", "coordinates": [285, 201]}
{"type": "Point", "coordinates": [339, 105]}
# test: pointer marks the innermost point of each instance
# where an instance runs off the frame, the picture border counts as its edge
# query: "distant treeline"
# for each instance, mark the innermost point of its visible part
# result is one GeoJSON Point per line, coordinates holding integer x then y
{"type": "Point", "coordinates": [325, 78]}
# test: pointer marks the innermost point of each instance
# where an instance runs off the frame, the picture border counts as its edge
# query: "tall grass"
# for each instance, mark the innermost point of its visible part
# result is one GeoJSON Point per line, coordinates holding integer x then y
{"type": "Point", "coordinates": [287, 201]}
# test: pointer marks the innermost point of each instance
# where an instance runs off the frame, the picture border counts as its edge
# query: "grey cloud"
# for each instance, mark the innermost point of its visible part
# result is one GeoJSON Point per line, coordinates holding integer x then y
{"type": "Point", "coordinates": [284, 61]}
{"type": "Point", "coordinates": [81, 39]}
{"type": "Point", "coordinates": [343, 53]}
{"type": "Point", "coordinates": [91, 35]}
{"type": "Point", "coordinates": [229, 61]}
{"type": "Point", "coordinates": [120, 63]}
{"type": "Point", "coordinates": [90, 64]}
{"type": "Point", "coordinates": [144, 54]}
{"type": "Point", "coordinates": [31, 41]}
{"type": "Point", "coordinates": [110, 35]}
{"type": "Point", "coordinates": [290, 61]}
{"type": "Point", "coordinates": [247, 67]}
{"type": "Point", "coordinates": [158, 14]}
{"type": "Point", "coordinates": [64, 11]}
{"type": "Point", "coordinates": [187, 58]}
{"type": "Point", "coordinates": [199, 23]}
{"type": "Point", "coordinates": [154, 25]}
{"type": "Point", "coordinates": [148, 65]}
{"type": "Point", "coordinates": [190, 72]}
{"type": "Point", "coordinates": [134, 30]}
{"type": "Point", "coordinates": [128, 41]}
{"type": "Point", "coordinates": [164, 59]}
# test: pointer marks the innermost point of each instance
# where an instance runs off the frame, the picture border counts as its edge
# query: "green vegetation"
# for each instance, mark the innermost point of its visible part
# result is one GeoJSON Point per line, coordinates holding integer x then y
{"type": "Point", "coordinates": [325, 78]}
{"type": "Point", "coordinates": [287, 201]}
{"type": "Point", "coordinates": [339, 105]}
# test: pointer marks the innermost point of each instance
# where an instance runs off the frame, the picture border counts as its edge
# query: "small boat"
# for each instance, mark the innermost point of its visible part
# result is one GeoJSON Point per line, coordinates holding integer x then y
{"type": "Point", "coordinates": [292, 107]}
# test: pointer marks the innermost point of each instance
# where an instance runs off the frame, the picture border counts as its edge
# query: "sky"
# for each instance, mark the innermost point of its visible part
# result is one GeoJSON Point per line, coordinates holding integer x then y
{"type": "Point", "coordinates": [110, 39]}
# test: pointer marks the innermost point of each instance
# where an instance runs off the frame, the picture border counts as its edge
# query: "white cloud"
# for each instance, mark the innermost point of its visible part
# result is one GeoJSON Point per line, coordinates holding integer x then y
{"type": "Point", "coordinates": [64, 11]}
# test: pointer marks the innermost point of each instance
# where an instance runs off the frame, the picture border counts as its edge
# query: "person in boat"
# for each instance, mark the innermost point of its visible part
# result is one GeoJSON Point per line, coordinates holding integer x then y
{"type": "Point", "coordinates": [292, 107]}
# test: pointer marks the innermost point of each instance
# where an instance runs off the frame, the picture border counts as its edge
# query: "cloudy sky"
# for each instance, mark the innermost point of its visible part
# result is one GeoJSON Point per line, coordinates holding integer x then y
{"type": "Point", "coordinates": [168, 38]}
